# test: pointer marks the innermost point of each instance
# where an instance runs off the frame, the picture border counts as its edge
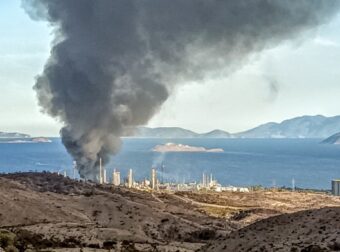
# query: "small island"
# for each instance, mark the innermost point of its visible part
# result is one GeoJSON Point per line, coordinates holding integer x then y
{"type": "Point", "coordinates": [172, 147]}
{"type": "Point", "coordinates": [41, 140]}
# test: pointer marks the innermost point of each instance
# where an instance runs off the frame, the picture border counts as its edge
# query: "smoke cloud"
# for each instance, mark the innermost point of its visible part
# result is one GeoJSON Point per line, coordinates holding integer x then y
{"type": "Point", "coordinates": [114, 62]}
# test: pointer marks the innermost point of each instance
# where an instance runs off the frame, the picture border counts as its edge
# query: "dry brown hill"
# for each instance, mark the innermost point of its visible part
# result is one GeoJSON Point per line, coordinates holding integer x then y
{"type": "Point", "coordinates": [52, 211]}
{"type": "Point", "coordinates": [47, 211]}
{"type": "Point", "coordinates": [306, 231]}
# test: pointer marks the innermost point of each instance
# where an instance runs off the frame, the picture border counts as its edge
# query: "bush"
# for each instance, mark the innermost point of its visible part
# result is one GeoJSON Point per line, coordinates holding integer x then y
{"type": "Point", "coordinates": [204, 234]}
{"type": "Point", "coordinates": [6, 238]}
{"type": "Point", "coordinates": [109, 244]}
{"type": "Point", "coordinates": [11, 248]}
{"type": "Point", "coordinates": [128, 246]}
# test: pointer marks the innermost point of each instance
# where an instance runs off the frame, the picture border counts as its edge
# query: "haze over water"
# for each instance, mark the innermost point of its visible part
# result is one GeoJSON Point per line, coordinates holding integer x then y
{"type": "Point", "coordinates": [245, 162]}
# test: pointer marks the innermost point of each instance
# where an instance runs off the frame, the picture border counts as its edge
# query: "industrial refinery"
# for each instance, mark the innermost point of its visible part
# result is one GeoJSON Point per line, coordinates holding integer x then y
{"type": "Point", "coordinates": [153, 183]}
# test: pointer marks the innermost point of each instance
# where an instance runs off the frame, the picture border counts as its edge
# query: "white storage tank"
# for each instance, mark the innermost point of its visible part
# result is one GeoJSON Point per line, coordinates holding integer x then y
{"type": "Point", "coordinates": [336, 187]}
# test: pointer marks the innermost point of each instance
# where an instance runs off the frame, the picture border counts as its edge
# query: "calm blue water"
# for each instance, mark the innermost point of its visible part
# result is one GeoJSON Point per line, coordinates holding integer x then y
{"type": "Point", "coordinates": [245, 162]}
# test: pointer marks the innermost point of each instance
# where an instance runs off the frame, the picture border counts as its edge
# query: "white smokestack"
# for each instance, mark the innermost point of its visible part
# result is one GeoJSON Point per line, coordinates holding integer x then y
{"type": "Point", "coordinates": [153, 179]}
{"type": "Point", "coordinates": [100, 171]}
{"type": "Point", "coordinates": [130, 179]}
{"type": "Point", "coordinates": [74, 169]}
{"type": "Point", "coordinates": [104, 176]}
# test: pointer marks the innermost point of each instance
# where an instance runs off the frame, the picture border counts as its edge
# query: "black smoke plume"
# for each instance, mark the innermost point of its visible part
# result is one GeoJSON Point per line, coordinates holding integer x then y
{"type": "Point", "coordinates": [114, 62]}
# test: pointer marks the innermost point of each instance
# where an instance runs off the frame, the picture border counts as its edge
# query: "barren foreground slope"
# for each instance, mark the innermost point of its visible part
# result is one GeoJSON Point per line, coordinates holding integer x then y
{"type": "Point", "coordinates": [44, 210]}
{"type": "Point", "coordinates": [306, 231]}
{"type": "Point", "coordinates": [241, 209]}
{"type": "Point", "coordinates": [47, 210]}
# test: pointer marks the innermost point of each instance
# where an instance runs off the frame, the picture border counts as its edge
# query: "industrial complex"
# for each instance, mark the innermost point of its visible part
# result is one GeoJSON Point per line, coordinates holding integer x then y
{"type": "Point", "coordinates": [153, 183]}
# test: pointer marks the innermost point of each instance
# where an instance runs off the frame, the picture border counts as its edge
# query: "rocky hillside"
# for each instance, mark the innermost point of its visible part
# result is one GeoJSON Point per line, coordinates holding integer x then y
{"type": "Point", "coordinates": [306, 231]}
{"type": "Point", "coordinates": [47, 212]}
{"type": "Point", "coordinates": [50, 211]}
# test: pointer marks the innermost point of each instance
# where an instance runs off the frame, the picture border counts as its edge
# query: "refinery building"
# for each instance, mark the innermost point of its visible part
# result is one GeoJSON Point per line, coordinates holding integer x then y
{"type": "Point", "coordinates": [208, 183]}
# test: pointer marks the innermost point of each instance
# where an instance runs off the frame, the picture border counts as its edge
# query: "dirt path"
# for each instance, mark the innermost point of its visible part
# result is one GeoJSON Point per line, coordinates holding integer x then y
{"type": "Point", "coordinates": [202, 204]}
{"type": "Point", "coordinates": [156, 198]}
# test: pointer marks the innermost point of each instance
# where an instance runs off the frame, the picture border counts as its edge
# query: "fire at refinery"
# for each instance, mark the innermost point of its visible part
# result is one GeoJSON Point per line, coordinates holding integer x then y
{"type": "Point", "coordinates": [158, 183]}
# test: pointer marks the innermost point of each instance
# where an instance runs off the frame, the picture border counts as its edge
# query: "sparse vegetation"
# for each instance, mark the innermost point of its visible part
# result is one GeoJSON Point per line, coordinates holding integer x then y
{"type": "Point", "coordinates": [6, 238]}
{"type": "Point", "coordinates": [109, 244]}
{"type": "Point", "coordinates": [71, 214]}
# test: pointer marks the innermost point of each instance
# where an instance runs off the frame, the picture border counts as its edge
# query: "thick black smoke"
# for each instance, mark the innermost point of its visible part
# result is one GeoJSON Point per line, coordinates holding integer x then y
{"type": "Point", "coordinates": [114, 62]}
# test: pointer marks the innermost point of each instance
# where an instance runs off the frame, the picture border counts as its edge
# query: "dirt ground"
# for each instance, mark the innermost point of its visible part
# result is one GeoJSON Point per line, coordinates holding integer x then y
{"type": "Point", "coordinates": [316, 230]}
{"type": "Point", "coordinates": [245, 208]}
{"type": "Point", "coordinates": [40, 211]}
{"type": "Point", "coordinates": [46, 210]}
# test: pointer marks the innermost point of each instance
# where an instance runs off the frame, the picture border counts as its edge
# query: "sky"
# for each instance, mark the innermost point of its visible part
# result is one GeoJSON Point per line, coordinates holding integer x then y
{"type": "Point", "coordinates": [298, 77]}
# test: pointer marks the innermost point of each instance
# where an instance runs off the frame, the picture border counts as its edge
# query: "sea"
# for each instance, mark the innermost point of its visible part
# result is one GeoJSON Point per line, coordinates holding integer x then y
{"type": "Point", "coordinates": [245, 162]}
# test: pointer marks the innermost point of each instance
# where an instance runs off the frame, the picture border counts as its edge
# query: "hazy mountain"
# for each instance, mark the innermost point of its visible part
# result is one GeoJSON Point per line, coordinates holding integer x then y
{"type": "Point", "coordinates": [333, 139]}
{"type": "Point", "coordinates": [13, 135]}
{"type": "Point", "coordinates": [300, 127]}
{"type": "Point", "coordinates": [176, 132]}
{"type": "Point", "coordinates": [164, 132]}
{"type": "Point", "coordinates": [216, 134]}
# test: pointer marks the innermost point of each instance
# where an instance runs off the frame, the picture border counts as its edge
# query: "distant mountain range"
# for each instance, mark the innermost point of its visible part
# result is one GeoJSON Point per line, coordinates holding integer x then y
{"type": "Point", "coordinates": [300, 127]}
{"type": "Point", "coordinates": [176, 132]}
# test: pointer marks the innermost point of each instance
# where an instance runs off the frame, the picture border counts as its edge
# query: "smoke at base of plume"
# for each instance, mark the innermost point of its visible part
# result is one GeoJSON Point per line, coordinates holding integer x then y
{"type": "Point", "coordinates": [114, 63]}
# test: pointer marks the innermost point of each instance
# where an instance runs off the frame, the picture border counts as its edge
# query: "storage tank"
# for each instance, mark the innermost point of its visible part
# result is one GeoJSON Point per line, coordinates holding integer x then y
{"type": "Point", "coordinates": [336, 187]}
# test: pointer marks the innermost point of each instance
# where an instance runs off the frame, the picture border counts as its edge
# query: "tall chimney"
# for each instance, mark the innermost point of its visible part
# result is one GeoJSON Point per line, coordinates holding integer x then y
{"type": "Point", "coordinates": [100, 171]}
{"type": "Point", "coordinates": [74, 169]}
{"type": "Point", "coordinates": [104, 175]}
{"type": "Point", "coordinates": [153, 179]}
{"type": "Point", "coordinates": [130, 179]}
